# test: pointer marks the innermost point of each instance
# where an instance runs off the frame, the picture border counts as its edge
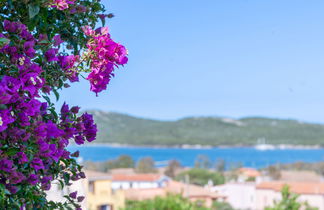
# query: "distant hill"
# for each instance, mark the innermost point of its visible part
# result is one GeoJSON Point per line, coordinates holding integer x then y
{"type": "Point", "coordinates": [125, 129]}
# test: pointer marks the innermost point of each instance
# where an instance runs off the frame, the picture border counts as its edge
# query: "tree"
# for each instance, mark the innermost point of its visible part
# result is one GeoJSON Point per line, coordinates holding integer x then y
{"type": "Point", "coordinates": [220, 165]}
{"type": "Point", "coordinates": [201, 177]}
{"type": "Point", "coordinates": [45, 46]}
{"type": "Point", "coordinates": [145, 165]}
{"type": "Point", "coordinates": [289, 202]}
{"type": "Point", "coordinates": [170, 202]}
{"type": "Point", "coordinates": [123, 161]}
{"type": "Point", "coordinates": [172, 168]}
{"type": "Point", "coordinates": [203, 162]}
{"type": "Point", "coordinates": [274, 172]}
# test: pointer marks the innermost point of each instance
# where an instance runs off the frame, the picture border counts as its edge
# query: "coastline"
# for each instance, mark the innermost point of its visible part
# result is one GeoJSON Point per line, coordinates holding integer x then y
{"type": "Point", "coordinates": [199, 146]}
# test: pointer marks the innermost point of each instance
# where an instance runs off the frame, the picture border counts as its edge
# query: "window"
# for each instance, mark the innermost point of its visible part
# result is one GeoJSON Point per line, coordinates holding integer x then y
{"type": "Point", "coordinates": [105, 207]}
{"type": "Point", "coordinates": [91, 186]}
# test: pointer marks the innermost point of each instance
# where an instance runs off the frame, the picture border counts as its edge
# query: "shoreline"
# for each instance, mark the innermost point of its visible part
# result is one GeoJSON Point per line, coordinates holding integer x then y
{"type": "Point", "coordinates": [261, 147]}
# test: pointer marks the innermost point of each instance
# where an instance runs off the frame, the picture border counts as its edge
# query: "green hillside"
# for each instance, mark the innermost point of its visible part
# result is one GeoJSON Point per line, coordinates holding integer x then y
{"type": "Point", "coordinates": [125, 129]}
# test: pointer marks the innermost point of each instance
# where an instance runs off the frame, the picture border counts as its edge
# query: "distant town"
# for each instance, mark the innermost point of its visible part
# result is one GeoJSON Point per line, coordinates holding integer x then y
{"type": "Point", "coordinates": [124, 184]}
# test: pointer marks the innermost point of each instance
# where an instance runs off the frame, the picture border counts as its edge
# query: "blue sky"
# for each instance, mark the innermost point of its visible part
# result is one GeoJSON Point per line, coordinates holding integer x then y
{"type": "Point", "coordinates": [220, 58]}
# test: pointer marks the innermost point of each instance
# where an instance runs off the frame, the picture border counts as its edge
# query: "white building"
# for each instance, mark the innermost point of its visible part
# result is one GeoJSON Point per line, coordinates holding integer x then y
{"type": "Point", "coordinates": [56, 193]}
{"type": "Point", "coordinates": [138, 181]}
{"type": "Point", "coordinates": [239, 195]}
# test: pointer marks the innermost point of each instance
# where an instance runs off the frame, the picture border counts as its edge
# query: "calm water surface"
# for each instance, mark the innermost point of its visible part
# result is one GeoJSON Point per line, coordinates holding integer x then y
{"type": "Point", "coordinates": [249, 157]}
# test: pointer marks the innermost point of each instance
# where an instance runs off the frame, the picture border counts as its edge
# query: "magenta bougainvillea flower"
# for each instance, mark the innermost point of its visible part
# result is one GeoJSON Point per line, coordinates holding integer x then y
{"type": "Point", "coordinates": [104, 54]}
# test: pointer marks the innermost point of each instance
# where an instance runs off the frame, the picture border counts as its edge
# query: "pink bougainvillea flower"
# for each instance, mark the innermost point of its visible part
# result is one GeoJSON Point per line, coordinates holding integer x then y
{"type": "Point", "coordinates": [104, 55]}
{"type": "Point", "coordinates": [61, 4]}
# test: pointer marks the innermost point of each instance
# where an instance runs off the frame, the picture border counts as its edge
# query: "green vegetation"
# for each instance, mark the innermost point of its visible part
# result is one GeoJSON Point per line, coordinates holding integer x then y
{"type": "Point", "coordinates": [289, 202]}
{"type": "Point", "coordinates": [170, 202]}
{"type": "Point", "coordinates": [222, 206]}
{"type": "Point", "coordinates": [274, 171]}
{"type": "Point", "coordinates": [201, 176]}
{"type": "Point", "coordinates": [125, 129]}
{"type": "Point", "coordinates": [123, 161]}
{"type": "Point", "coordinates": [145, 165]}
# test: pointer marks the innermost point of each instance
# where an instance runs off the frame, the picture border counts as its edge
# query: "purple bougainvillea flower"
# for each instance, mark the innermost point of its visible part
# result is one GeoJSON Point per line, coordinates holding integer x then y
{"type": "Point", "coordinates": [22, 158]}
{"type": "Point", "coordinates": [46, 182]}
{"type": "Point", "coordinates": [57, 40]}
{"type": "Point", "coordinates": [65, 109]}
{"type": "Point", "coordinates": [30, 108]}
{"type": "Point", "coordinates": [6, 165]}
{"type": "Point", "coordinates": [16, 177]}
{"type": "Point", "coordinates": [80, 198]}
{"type": "Point", "coordinates": [10, 26]}
{"type": "Point", "coordinates": [32, 83]}
{"type": "Point", "coordinates": [37, 164]}
{"type": "Point", "coordinates": [90, 127]}
{"type": "Point", "coordinates": [50, 55]}
{"type": "Point", "coordinates": [75, 154]}
{"type": "Point", "coordinates": [52, 130]}
{"type": "Point", "coordinates": [12, 189]}
{"type": "Point", "coordinates": [75, 109]}
{"type": "Point", "coordinates": [79, 140]}
{"type": "Point", "coordinates": [32, 179]}
{"type": "Point", "coordinates": [29, 48]}
{"type": "Point", "coordinates": [9, 87]}
{"type": "Point", "coordinates": [73, 195]}
{"type": "Point", "coordinates": [5, 119]}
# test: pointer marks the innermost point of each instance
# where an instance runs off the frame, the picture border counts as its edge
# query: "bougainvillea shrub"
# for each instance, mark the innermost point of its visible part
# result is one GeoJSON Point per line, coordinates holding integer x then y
{"type": "Point", "coordinates": [46, 46]}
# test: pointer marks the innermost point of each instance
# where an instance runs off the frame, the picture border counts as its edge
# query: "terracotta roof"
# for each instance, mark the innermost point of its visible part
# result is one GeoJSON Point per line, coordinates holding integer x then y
{"type": "Point", "coordinates": [173, 187]}
{"type": "Point", "coordinates": [250, 172]}
{"type": "Point", "coordinates": [96, 175]}
{"type": "Point", "coordinates": [136, 177]}
{"type": "Point", "coordinates": [295, 187]}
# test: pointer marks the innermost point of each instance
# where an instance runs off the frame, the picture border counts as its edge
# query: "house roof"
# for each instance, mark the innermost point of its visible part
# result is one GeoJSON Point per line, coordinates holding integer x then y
{"type": "Point", "coordinates": [250, 172]}
{"type": "Point", "coordinates": [122, 171]}
{"type": "Point", "coordinates": [136, 177]}
{"type": "Point", "coordinates": [295, 187]}
{"type": "Point", "coordinates": [96, 175]}
{"type": "Point", "coordinates": [173, 187]}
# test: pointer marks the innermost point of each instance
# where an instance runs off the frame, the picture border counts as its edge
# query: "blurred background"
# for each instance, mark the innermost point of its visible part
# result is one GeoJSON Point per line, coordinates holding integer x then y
{"type": "Point", "coordinates": [221, 103]}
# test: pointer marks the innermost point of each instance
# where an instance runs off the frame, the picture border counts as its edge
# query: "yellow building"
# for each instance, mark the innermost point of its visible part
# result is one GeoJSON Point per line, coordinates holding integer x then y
{"type": "Point", "coordinates": [99, 194]}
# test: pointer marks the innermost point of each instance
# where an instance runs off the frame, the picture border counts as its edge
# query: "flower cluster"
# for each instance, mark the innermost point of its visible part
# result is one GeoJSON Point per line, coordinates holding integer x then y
{"type": "Point", "coordinates": [25, 121]}
{"type": "Point", "coordinates": [40, 55]}
{"type": "Point", "coordinates": [61, 4]}
{"type": "Point", "coordinates": [104, 54]}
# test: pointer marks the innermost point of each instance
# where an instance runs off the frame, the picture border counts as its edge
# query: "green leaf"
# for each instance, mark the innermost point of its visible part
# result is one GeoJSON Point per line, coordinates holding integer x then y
{"type": "Point", "coordinates": [4, 41]}
{"type": "Point", "coordinates": [57, 95]}
{"type": "Point", "coordinates": [12, 151]}
{"type": "Point", "coordinates": [33, 10]}
{"type": "Point", "coordinates": [47, 99]}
